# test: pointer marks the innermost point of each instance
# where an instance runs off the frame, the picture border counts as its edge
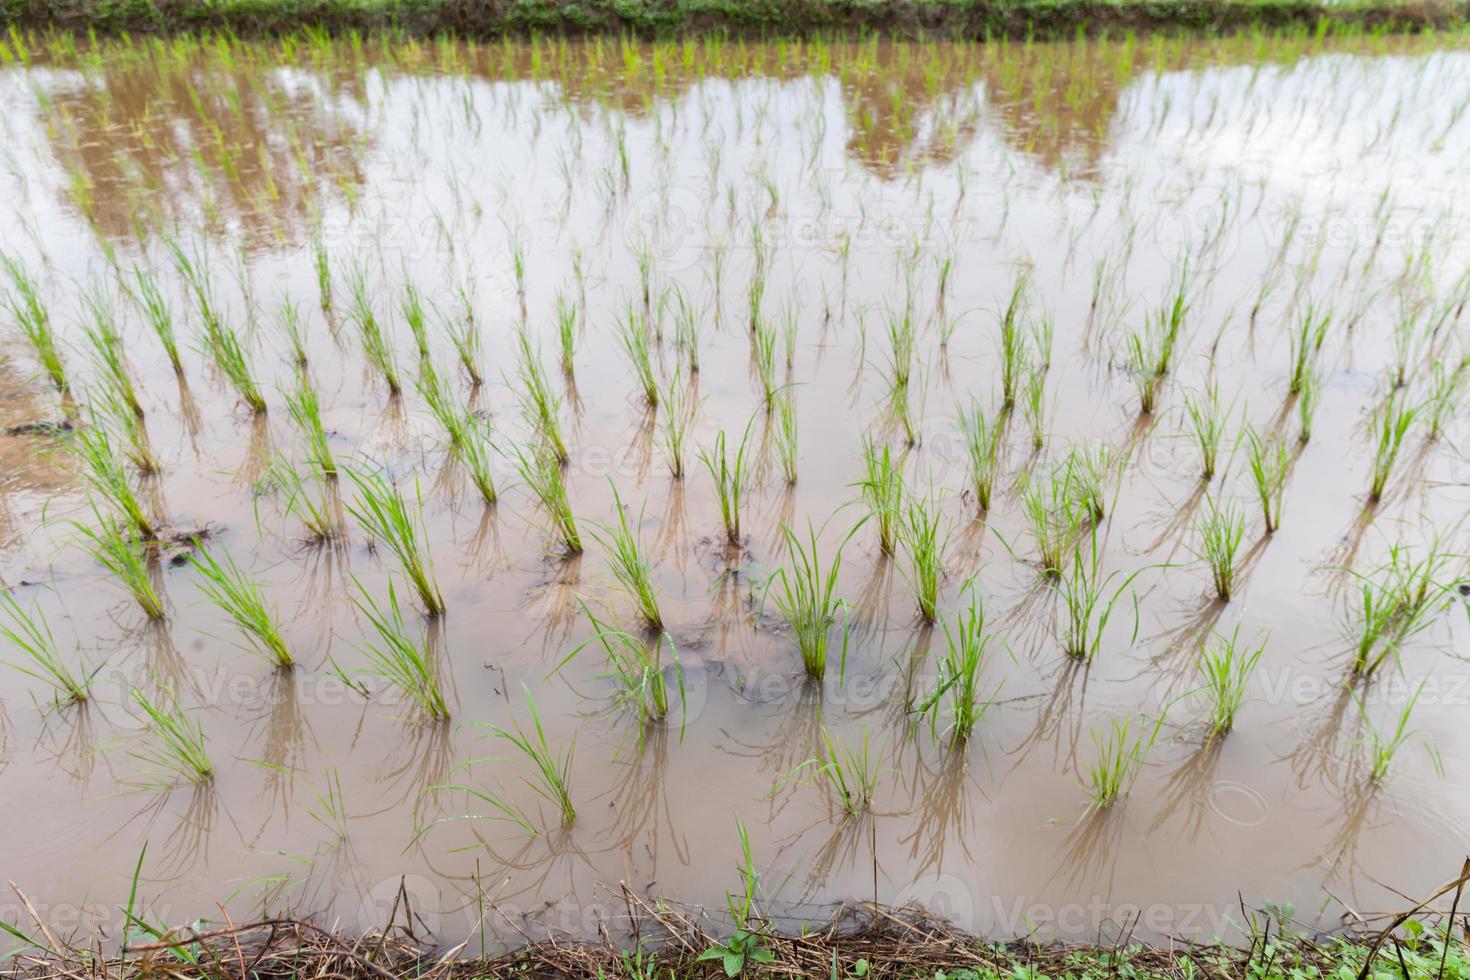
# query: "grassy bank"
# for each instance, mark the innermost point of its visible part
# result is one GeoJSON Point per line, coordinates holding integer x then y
{"type": "Point", "coordinates": [934, 19]}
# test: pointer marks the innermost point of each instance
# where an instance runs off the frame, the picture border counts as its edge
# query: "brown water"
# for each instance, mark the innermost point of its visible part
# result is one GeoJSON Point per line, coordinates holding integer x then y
{"type": "Point", "coordinates": [1333, 169]}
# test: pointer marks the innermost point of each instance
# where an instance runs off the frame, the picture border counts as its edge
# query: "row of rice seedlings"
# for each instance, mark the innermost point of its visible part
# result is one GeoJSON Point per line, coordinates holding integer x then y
{"type": "Point", "coordinates": [551, 770]}
{"type": "Point", "coordinates": [178, 750]}
{"type": "Point", "coordinates": [635, 664]}
{"type": "Point", "coordinates": [400, 658]}
{"type": "Point", "coordinates": [107, 481]}
{"type": "Point", "coordinates": [728, 471]}
{"type": "Point", "coordinates": [542, 473]}
{"type": "Point", "coordinates": [1390, 425]}
{"type": "Point", "coordinates": [806, 596]}
{"type": "Point", "coordinates": [240, 598]}
{"type": "Point", "coordinates": [1221, 530]}
{"type": "Point", "coordinates": [30, 635]}
{"type": "Point", "coordinates": [629, 564]}
{"type": "Point", "coordinates": [1269, 463]}
{"type": "Point", "coordinates": [633, 334]}
{"type": "Point", "coordinates": [160, 318]}
{"type": "Point", "coordinates": [1306, 344]}
{"type": "Point", "coordinates": [376, 346]}
{"type": "Point", "coordinates": [540, 405]}
{"type": "Point", "coordinates": [883, 492]}
{"type": "Point", "coordinates": [1121, 752]}
{"type": "Point", "coordinates": [124, 556]}
{"type": "Point", "coordinates": [924, 538]}
{"type": "Point", "coordinates": [961, 674]}
{"type": "Point", "coordinates": [982, 450]}
{"type": "Point", "coordinates": [1087, 602]}
{"type": "Point", "coordinates": [310, 499]}
{"type": "Point", "coordinates": [304, 407]}
{"type": "Point", "coordinates": [1225, 669]}
{"type": "Point", "coordinates": [382, 512]}
{"type": "Point", "coordinates": [24, 305]}
{"type": "Point", "coordinates": [1207, 419]}
{"type": "Point", "coordinates": [1395, 601]}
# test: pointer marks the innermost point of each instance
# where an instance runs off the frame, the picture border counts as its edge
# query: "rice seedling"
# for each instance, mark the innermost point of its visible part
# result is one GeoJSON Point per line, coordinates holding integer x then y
{"type": "Point", "coordinates": [1306, 344]}
{"type": "Point", "coordinates": [160, 318]}
{"type": "Point", "coordinates": [786, 434]}
{"type": "Point", "coordinates": [806, 596]}
{"type": "Point", "coordinates": [400, 658]}
{"type": "Point", "coordinates": [1087, 603]}
{"type": "Point", "coordinates": [331, 807]}
{"type": "Point", "coordinates": [1051, 508]}
{"type": "Point", "coordinates": [24, 304]}
{"type": "Point", "coordinates": [1306, 404]}
{"type": "Point", "coordinates": [541, 407]}
{"type": "Point", "coordinates": [728, 473]}
{"type": "Point", "coordinates": [1207, 420]}
{"type": "Point", "coordinates": [232, 357]}
{"type": "Point", "coordinates": [1390, 424]}
{"type": "Point", "coordinates": [883, 492]}
{"type": "Point", "coordinates": [178, 750]}
{"type": "Point", "coordinates": [1397, 600]}
{"type": "Point", "coordinates": [1121, 753]}
{"type": "Point", "coordinates": [1090, 472]}
{"type": "Point", "coordinates": [1147, 349]}
{"type": "Point", "coordinates": [961, 673]}
{"type": "Point", "coordinates": [125, 557]}
{"type": "Point", "coordinates": [1446, 386]}
{"type": "Point", "coordinates": [1013, 339]}
{"type": "Point", "coordinates": [107, 355]}
{"type": "Point", "coordinates": [850, 773]}
{"type": "Point", "coordinates": [304, 408]}
{"type": "Point", "coordinates": [240, 598]}
{"type": "Point", "coordinates": [290, 326]}
{"type": "Point", "coordinates": [924, 540]}
{"type": "Point", "coordinates": [105, 478]}
{"type": "Point", "coordinates": [541, 471]}
{"type": "Point", "coordinates": [982, 450]}
{"type": "Point", "coordinates": [635, 664]}
{"type": "Point", "coordinates": [633, 335]}
{"type": "Point", "coordinates": [763, 340]}
{"type": "Point", "coordinates": [1383, 746]}
{"type": "Point", "coordinates": [30, 635]}
{"type": "Point", "coordinates": [111, 411]}
{"type": "Point", "coordinates": [323, 268]}
{"type": "Point", "coordinates": [1269, 464]}
{"type": "Point", "coordinates": [629, 564]}
{"type": "Point", "coordinates": [551, 771]}
{"type": "Point", "coordinates": [1225, 669]}
{"type": "Point", "coordinates": [309, 499]}
{"type": "Point", "coordinates": [1221, 530]}
{"type": "Point", "coordinates": [412, 307]}
{"type": "Point", "coordinates": [381, 510]}
{"type": "Point", "coordinates": [376, 346]}
{"type": "Point", "coordinates": [902, 336]}
{"type": "Point", "coordinates": [464, 335]}
{"type": "Point", "coordinates": [566, 330]}
{"type": "Point", "coordinates": [675, 424]}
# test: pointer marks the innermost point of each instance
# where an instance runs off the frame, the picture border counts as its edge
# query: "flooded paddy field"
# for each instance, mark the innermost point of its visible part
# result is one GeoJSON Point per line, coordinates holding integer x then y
{"type": "Point", "coordinates": [367, 403]}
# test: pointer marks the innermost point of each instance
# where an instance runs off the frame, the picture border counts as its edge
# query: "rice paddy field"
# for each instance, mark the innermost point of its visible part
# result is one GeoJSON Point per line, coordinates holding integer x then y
{"type": "Point", "coordinates": [1027, 480]}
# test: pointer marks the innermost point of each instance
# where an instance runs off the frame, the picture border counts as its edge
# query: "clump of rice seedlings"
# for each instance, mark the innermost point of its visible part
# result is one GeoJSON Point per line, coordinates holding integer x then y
{"type": "Point", "coordinates": [1054, 515]}
{"type": "Point", "coordinates": [323, 269]}
{"type": "Point", "coordinates": [178, 750]}
{"type": "Point", "coordinates": [108, 409]}
{"type": "Point", "coordinates": [1269, 464]}
{"type": "Point", "coordinates": [240, 598]}
{"type": "Point", "coordinates": [883, 492]}
{"type": "Point", "coordinates": [551, 771]}
{"type": "Point", "coordinates": [232, 357]}
{"type": "Point", "coordinates": [541, 407]}
{"type": "Point", "coordinates": [159, 316]}
{"type": "Point", "coordinates": [1207, 419]}
{"type": "Point", "coordinates": [464, 334]}
{"type": "Point", "coordinates": [412, 306]}
{"type": "Point", "coordinates": [384, 514]}
{"type": "Point", "coordinates": [126, 558]}
{"type": "Point", "coordinates": [1395, 601]}
{"type": "Point", "coordinates": [107, 355]}
{"type": "Point", "coordinates": [1225, 669]}
{"type": "Point", "coordinates": [288, 322]}
{"type": "Point", "coordinates": [1306, 344]}
{"type": "Point", "coordinates": [924, 541]}
{"type": "Point", "coordinates": [542, 472]}
{"type": "Point", "coordinates": [1221, 529]}
{"type": "Point", "coordinates": [850, 773]}
{"type": "Point", "coordinates": [806, 596]}
{"type": "Point", "coordinates": [763, 340]}
{"type": "Point", "coordinates": [1088, 604]}
{"type": "Point", "coordinates": [1120, 756]}
{"type": "Point", "coordinates": [629, 564]}
{"type": "Point", "coordinates": [470, 444]}
{"type": "Point", "coordinates": [1013, 339]}
{"type": "Point", "coordinates": [304, 408]}
{"type": "Point", "coordinates": [982, 449]}
{"type": "Point", "coordinates": [566, 330]}
{"type": "Point", "coordinates": [1446, 384]}
{"type": "Point", "coordinates": [400, 659]}
{"type": "Point", "coordinates": [961, 673]}
{"type": "Point", "coordinates": [675, 424]}
{"type": "Point", "coordinates": [30, 635]}
{"type": "Point", "coordinates": [686, 329]}
{"type": "Point", "coordinates": [1306, 404]}
{"type": "Point", "coordinates": [727, 470]}
{"type": "Point", "coordinates": [1090, 471]}
{"type": "Point", "coordinates": [633, 334]}
{"type": "Point", "coordinates": [1146, 351]}
{"type": "Point", "coordinates": [1390, 425]}
{"type": "Point", "coordinates": [1383, 746]}
{"type": "Point", "coordinates": [104, 475]}
{"type": "Point", "coordinates": [786, 435]}
{"type": "Point", "coordinates": [310, 501]}
{"type": "Point", "coordinates": [24, 304]}
{"type": "Point", "coordinates": [1034, 406]}
{"type": "Point", "coordinates": [635, 664]}
{"type": "Point", "coordinates": [375, 344]}
{"type": "Point", "coordinates": [902, 335]}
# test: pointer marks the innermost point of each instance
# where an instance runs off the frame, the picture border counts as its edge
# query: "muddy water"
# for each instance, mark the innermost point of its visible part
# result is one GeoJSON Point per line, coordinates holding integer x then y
{"type": "Point", "coordinates": [1279, 172]}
